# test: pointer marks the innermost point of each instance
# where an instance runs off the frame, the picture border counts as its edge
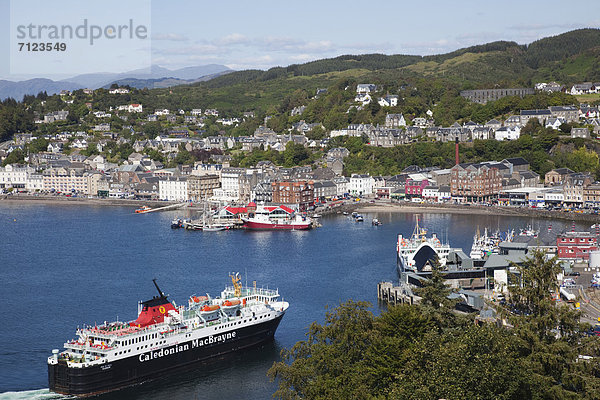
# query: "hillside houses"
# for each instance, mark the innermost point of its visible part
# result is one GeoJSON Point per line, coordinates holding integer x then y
{"type": "Point", "coordinates": [54, 116]}
{"type": "Point", "coordinates": [584, 88]}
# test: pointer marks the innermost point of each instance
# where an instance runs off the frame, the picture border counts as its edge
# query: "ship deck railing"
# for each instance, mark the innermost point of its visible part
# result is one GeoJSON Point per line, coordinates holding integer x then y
{"type": "Point", "coordinates": [252, 291]}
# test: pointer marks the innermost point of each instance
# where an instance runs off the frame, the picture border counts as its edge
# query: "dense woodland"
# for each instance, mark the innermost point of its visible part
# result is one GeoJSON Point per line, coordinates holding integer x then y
{"type": "Point", "coordinates": [427, 351]}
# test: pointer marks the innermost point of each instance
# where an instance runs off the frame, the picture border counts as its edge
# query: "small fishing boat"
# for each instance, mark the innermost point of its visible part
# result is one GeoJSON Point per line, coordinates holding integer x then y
{"type": "Point", "coordinates": [143, 210]}
{"type": "Point", "coordinates": [376, 222]}
{"type": "Point", "coordinates": [176, 223]}
{"type": "Point", "coordinates": [192, 226]}
{"type": "Point", "coordinates": [215, 228]}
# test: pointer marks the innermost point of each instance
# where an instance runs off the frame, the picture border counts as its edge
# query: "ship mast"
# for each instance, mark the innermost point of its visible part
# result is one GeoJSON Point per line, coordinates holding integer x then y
{"type": "Point", "coordinates": [160, 293]}
{"type": "Point", "coordinates": [237, 283]}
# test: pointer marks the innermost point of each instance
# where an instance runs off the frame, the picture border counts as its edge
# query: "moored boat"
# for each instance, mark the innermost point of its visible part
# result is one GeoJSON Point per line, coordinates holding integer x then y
{"type": "Point", "coordinates": [214, 227]}
{"type": "Point", "coordinates": [142, 210]}
{"type": "Point", "coordinates": [487, 244]}
{"type": "Point", "coordinates": [164, 338]}
{"type": "Point", "coordinates": [277, 218]}
{"type": "Point", "coordinates": [263, 222]}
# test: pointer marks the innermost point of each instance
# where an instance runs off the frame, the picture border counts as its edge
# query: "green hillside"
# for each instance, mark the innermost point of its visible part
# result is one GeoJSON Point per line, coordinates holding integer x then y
{"type": "Point", "coordinates": [422, 84]}
{"type": "Point", "coordinates": [568, 58]}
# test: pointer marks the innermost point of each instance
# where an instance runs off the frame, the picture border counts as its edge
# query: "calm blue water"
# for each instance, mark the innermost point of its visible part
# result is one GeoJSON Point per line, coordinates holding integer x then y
{"type": "Point", "coordinates": [64, 266]}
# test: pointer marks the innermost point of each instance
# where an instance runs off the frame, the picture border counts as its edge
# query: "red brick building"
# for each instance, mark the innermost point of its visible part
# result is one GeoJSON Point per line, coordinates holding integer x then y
{"type": "Point", "coordinates": [576, 245]}
{"type": "Point", "coordinates": [475, 182]}
{"type": "Point", "coordinates": [299, 192]}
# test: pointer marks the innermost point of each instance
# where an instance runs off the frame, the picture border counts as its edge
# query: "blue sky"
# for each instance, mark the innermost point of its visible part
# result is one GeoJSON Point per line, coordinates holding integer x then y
{"type": "Point", "coordinates": [262, 34]}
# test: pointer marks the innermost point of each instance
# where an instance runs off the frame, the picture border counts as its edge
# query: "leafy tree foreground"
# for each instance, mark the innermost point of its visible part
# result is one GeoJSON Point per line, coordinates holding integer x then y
{"type": "Point", "coordinates": [428, 351]}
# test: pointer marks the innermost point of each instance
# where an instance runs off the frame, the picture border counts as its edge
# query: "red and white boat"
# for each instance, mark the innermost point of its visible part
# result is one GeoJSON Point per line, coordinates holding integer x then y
{"type": "Point", "coordinates": [277, 218]}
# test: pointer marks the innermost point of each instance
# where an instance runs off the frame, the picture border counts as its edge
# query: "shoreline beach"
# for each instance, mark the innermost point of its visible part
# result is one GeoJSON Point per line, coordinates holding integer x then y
{"type": "Point", "coordinates": [359, 207]}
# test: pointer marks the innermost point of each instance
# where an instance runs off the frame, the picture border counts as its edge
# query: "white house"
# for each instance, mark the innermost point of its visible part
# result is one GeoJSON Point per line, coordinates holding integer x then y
{"type": "Point", "coordinates": [439, 194]}
{"type": "Point", "coordinates": [341, 182]}
{"type": "Point", "coordinates": [79, 144]}
{"type": "Point", "coordinates": [361, 185]}
{"type": "Point", "coordinates": [365, 88]}
{"type": "Point", "coordinates": [583, 88]}
{"type": "Point", "coordinates": [430, 193]}
{"type": "Point", "coordinates": [363, 98]}
{"type": "Point", "coordinates": [135, 108]}
{"type": "Point", "coordinates": [554, 123]}
{"type": "Point", "coordinates": [118, 91]}
{"type": "Point", "coordinates": [173, 188]}
{"type": "Point", "coordinates": [388, 101]}
{"type": "Point", "coordinates": [228, 121]}
{"type": "Point", "coordinates": [420, 122]}
{"type": "Point", "coordinates": [96, 162]}
{"type": "Point", "coordinates": [55, 147]}
{"type": "Point", "coordinates": [508, 133]}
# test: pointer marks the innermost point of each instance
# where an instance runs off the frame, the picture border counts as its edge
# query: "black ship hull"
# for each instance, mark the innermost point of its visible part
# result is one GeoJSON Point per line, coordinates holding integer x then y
{"type": "Point", "coordinates": [153, 364]}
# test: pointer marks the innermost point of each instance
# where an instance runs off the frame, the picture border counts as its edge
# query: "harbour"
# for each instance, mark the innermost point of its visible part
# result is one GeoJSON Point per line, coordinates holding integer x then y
{"type": "Point", "coordinates": [91, 262]}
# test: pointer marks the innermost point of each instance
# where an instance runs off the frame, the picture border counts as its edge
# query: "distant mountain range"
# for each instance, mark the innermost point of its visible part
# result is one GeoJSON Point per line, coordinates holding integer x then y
{"type": "Point", "coordinates": [154, 77]}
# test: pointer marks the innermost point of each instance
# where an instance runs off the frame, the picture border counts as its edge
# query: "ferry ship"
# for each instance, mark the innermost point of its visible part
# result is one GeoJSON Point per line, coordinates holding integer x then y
{"type": "Point", "coordinates": [165, 338]}
{"type": "Point", "coordinates": [417, 252]}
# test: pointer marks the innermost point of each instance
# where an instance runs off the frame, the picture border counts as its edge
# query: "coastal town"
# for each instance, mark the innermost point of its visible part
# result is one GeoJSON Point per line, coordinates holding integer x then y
{"type": "Point", "coordinates": [62, 167]}
{"type": "Point", "coordinates": [371, 225]}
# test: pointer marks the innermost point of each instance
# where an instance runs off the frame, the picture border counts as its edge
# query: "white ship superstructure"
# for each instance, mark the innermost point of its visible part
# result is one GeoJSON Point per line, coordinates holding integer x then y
{"type": "Point", "coordinates": [418, 252]}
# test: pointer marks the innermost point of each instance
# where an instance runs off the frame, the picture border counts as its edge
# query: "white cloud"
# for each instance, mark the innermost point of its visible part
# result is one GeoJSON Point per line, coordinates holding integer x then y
{"type": "Point", "coordinates": [544, 27]}
{"type": "Point", "coordinates": [174, 37]}
{"type": "Point", "coordinates": [192, 49]}
{"type": "Point", "coordinates": [259, 62]}
{"type": "Point", "coordinates": [233, 39]}
{"type": "Point", "coordinates": [302, 57]}
{"type": "Point", "coordinates": [317, 47]}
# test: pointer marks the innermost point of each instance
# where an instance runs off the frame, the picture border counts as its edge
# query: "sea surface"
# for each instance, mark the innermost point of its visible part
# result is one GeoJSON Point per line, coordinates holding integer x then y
{"type": "Point", "coordinates": [65, 266]}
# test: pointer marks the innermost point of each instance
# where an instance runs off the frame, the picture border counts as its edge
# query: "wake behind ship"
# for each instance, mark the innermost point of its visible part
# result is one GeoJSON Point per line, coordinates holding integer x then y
{"type": "Point", "coordinates": [165, 338]}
